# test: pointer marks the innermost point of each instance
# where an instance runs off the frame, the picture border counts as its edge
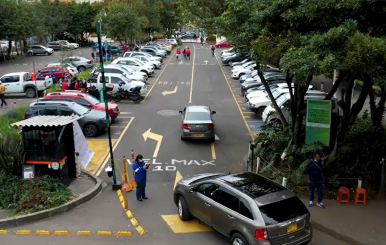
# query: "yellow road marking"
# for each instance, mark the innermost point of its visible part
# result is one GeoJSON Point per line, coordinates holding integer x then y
{"type": "Point", "coordinates": [23, 232]}
{"type": "Point", "coordinates": [140, 230]}
{"type": "Point", "coordinates": [123, 233]}
{"type": "Point", "coordinates": [100, 147]}
{"type": "Point", "coordinates": [153, 136]}
{"type": "Point", "coordinates": [191, 83]}
{"type": "Point", "coordinates": [61, 233]}
{"type": "Point", "coordinates": [115, 146]}
{"type": "Point", "coordinates": [213, 150]}
{"type": "Point", "coordinates": [42, 232]}
{"type": "Point", "coordinates": [157, 78]}
{"type": "Point", "coordinates": [3, 232]}
{"type": "Point", "coordinates": [134, 221]}
{"type": "Point", "coordinates": [234, 97]}
{"type": "Point", "coordinates": [83, 233]}
{"type": "Point", "coordinates": [164, 93]}
{"type": "Point", "coordinates": [179, 226]}
{"type": "Point", "coordinates": [104, 233]}
{"type": "Point", "coordinates": [178, 178]}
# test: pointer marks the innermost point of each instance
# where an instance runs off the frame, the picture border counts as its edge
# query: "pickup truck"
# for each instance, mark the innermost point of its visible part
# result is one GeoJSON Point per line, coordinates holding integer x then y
{"type": "Point", "coordinates": [20, 82]}
{"type": "Point", "coordinates": [113, 80]}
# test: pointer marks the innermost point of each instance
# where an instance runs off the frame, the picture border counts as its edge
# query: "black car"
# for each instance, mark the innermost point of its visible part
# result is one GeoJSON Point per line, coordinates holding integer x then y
{"type": "Point", "coordinates": [228, 60]}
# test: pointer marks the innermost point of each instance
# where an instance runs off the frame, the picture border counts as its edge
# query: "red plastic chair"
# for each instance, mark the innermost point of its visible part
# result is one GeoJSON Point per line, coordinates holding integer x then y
{"type": "Point", "coordinates": [343, 195]}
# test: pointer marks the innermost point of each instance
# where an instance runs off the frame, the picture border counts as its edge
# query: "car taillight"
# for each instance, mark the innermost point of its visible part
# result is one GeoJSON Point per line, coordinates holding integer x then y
{"type": "Point", "coordinates": [261, 234]}
{"type": "Point", "coordinates": [185, 126]}
{"type": "Point", "coordinates": [211, 126]}
{"type": "Point", "coordinates": [89, 62]}
{"type": "Point", "coordinates": [24, 116]}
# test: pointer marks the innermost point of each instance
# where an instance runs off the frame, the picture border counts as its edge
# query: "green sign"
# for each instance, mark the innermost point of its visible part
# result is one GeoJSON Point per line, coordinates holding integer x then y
{"type": "Point", "coordinates": [318, 121]}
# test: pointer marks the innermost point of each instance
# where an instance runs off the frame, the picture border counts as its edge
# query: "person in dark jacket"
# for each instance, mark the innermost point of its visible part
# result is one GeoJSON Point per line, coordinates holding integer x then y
{"type": "Point", "coordinates": [140, 173]}
{"type": "Point", "coordinates": [315, 179]}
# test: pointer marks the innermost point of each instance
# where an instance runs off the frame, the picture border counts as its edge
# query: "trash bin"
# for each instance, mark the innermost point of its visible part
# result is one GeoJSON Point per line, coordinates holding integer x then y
{"type": "Point", "coordinates": [107, 57]}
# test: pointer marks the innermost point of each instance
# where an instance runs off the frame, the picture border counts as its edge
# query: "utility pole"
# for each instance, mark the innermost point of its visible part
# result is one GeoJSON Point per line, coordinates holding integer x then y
{"type": "Point", "coordinates": [116, 185]}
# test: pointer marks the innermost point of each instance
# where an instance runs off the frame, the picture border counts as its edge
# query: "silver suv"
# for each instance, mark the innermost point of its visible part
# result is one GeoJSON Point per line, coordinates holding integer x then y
{"type": "Point", "coordinates": [246, 207]}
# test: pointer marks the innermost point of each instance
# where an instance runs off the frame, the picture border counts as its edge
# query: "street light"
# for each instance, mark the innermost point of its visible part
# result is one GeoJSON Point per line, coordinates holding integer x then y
{"type": "Point", "coordinates": [116, 185]}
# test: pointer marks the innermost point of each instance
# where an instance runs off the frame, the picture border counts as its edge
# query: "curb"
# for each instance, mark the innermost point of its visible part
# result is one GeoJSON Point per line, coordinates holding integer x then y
{"type": "Point", "coordinates": [29, 218]}
{"type": "Point", "coordinates": [325, 229]}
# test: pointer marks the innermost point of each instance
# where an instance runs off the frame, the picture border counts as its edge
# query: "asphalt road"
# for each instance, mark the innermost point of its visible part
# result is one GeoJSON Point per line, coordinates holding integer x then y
{"type": "Point", "coordinates": [152, 128]}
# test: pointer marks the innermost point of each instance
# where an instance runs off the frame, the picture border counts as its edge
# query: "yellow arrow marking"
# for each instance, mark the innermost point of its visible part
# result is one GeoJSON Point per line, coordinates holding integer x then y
{"type": "Point", "coordinates": [178, 178]}
{"type": "Point", "coordinates": [170, 92]}
{"type": "Point", "coordinates": [153, 136]}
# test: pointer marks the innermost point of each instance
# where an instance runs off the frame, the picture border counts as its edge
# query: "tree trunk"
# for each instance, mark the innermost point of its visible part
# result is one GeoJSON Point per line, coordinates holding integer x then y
{"type": "Point", "coordinates": [377, 111]}
{"type": "Point", "coordinates": [9, 48]}
{"type": "Point", "coordinates": [382, 187]}
{"type": "Point", "coordinates": [349, 116]}
{"type": "Point", "coordinates": [268, 90]}
{"type": "Point", "coordinates": [17, 51]}
{"type": "Point", "coordinates": [335, 87]}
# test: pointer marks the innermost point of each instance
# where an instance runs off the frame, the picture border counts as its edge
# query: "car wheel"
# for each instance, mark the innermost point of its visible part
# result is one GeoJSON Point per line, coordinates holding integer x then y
{"type": "Point", "coordinates": [81, 68]}
{"type": "Point", "coordinates": [30, 92]}
{"type": "Point", "coordinates": [154, 66]}
{"type": "Point", "coordinates": [259, 112]}
{"type": "Point", "coordinates": [145, 72]}
{"type": "Point", "coordinates": [238, 239]}
{"type": "Point", "coordinates": [29, 54]}
{"type": "Point", "coordinates": [46, 53]}
{"type": "Point", "coordinates": [218, 46]}
{"type": "Point", "coordinates": [182, 138]}
{"type": "Point", "coordinates": [60, 79]}
{"type": "Point", "coordinates": [90, 130]}
{"type": "Point", "coordinates": [230, 63]}
{"type": "Point", "coordinates": [242, 74]}
{"type": "Point", "coordinates": [183, 210]}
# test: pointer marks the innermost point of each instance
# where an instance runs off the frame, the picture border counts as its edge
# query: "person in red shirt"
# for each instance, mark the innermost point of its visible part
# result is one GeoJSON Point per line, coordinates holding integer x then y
{"type": "Point", "coordinates": [78, 86]}
{"type": "Point", "coordinates": [178, 52]}
{"type": "Point", "coordinates": [187, 52]}
{"type": "Point", "coordinates": [64, 85]}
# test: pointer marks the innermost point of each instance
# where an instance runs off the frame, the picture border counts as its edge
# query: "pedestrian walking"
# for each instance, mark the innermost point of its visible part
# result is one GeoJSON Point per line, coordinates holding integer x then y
{"type": "Point", "coordinates": [202, 40]}
{"type": "Point", "coordinates": [212, 49]}
{"type": "Point", "coordinates": [184, 54]}
{"type": "Point", "coordinates": [187, 52]}
{"type": "Point", "coordinates": [2, 93]}
{"type": "Point", "coordinates": [93, 55]}
{"type": "Point", "coordinates": [178, 52]}
{"type": "Point", "coordinates": [195, 37]}
{"type": "Point", "coordinates": [140, 174]}
{"type": "Point", "coordinates": [315, 179]}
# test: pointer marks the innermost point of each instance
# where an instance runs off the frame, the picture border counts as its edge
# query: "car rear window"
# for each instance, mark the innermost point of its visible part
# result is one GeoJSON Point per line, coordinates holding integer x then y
{"type": "Point", "coordinates": [282, 211]}
{"type": "Point", "coordinates": [197, 115]}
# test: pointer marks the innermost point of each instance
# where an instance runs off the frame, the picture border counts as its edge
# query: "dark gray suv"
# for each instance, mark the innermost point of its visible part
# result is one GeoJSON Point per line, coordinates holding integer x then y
{"type": "Point", "coordinates": [246, 207]}
{"type": "Point", "coordinates": [92, 122]}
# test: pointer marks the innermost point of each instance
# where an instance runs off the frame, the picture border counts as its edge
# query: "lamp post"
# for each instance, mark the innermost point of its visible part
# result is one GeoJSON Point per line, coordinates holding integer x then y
{"type": "Point", "coordinates": [116, 185]}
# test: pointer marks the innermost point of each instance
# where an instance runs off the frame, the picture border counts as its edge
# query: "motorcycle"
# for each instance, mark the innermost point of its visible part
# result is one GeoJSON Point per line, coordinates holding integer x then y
{"type": "Point", "coordinates": [93, 91]}
{"type": "Point", "coordinates": [133, 94]}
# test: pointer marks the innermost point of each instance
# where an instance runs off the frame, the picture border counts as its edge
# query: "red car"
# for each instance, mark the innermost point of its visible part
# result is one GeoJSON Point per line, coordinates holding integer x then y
{"type": "Point", "coordinates": [84, 99]}
{"type": "Point", "coordinates": [59, 72]}
{"type": "Point", "coordinates": [222, 44]}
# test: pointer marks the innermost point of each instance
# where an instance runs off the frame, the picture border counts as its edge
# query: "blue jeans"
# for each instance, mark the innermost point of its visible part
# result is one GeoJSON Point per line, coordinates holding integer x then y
{"type": "Point", "coordinates": [320, 187]}
{"type": "Point", "coordinates": [140, 191]}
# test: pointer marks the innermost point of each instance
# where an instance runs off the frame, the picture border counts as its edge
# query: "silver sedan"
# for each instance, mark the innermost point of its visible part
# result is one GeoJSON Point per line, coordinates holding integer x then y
{"type": "Point", "coordinates": [197, 123]}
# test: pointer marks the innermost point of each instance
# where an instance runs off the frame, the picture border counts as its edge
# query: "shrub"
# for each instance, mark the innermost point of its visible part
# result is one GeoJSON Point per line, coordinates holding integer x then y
{"type": "Point", "coordinates": [14, 115]}
{"type": "Point", "coordinates": [11, 154]}
{"type": "Point", "coordinates": [211, 38]}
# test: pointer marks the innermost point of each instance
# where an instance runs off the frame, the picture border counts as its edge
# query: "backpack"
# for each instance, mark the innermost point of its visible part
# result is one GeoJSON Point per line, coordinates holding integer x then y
{"type": "Point", "coordinates": [212, 48]}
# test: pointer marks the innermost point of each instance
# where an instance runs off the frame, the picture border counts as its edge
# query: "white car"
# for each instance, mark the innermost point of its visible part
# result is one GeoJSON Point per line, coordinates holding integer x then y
{"type": "Point", "coordinates": [71, 45]}
{"type": "Point", "coordinates": [146, 60]}
{"type": "Point", "coordinates": [115, 79]}
{"type": "Point", "coordinates": [258, 104]}
{"type": "Point", "coordinates": [243, 65]}
{"type": "Point", "coordinates": [237, 73]}
{"type": "Point", "coordinates": [138, 53]}
{"type": "Point", "coordinates": [135, 64]}
{"type": "Point", "coordinates": [118, 69]}
{"type": "Point", "coordinates": [172, 41]}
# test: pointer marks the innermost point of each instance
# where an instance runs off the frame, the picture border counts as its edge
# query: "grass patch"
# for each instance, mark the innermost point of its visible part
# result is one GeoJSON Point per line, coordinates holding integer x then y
{"type": "Point", "coordinates": [15, 115]}
{"type": "Point", "coordinates": [18, 196]}
{"type": "Point", "coordinates": [53, 88]}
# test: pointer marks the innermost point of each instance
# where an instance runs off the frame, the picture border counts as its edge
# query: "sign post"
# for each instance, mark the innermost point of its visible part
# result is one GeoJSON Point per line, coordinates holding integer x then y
{"type": "Point", "coordinates": [318, 121]}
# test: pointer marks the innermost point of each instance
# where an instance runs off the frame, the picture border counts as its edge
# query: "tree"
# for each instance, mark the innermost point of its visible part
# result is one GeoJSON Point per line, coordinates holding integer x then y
{"type": "Point", "coordinates": [82, 18]}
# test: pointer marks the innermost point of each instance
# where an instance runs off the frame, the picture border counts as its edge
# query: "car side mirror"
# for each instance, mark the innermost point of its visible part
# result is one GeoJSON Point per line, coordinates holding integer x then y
{"type": "Point", "coordinates": [191, 190]}
{"type": "Point", "coordinates": [213, 112]}
{"type": "Point", "coordinates": [180, 112]}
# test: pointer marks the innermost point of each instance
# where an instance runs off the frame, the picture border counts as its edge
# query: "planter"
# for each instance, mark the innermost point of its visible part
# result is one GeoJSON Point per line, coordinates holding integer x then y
{"type": "Point", "coordinates": [211, 42]}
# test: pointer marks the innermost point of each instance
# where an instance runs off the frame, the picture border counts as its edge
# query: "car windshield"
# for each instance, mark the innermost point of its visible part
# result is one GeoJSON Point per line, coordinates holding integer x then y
{"type": "Point", "coordinates": [281, 100]}
{"type": "Point", "coordinates": [79, 109]}
{"type": "Point", "coordinates": [92, 99]}
{"type": "Point", "coordinates": [254, 73]}
{"type": "Point", "coordinates": [198, 115]}
{"type": "Point", "coordinates": [278, 212]}
{"type": "Point", "coordinates": [138, 61]}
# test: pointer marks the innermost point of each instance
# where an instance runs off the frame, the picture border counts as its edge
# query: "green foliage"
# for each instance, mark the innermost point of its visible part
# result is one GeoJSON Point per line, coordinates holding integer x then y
{"type": "Point", "coordinates": [20, 196]}
{"type": "Point", "coordinates": [6, 120]}
{"type": "Point", "coordinates": [53, 88]}
{"type": "Point", "coordinates": [11, 154]}
{"type": "Point", "coordinates": [211, 38]}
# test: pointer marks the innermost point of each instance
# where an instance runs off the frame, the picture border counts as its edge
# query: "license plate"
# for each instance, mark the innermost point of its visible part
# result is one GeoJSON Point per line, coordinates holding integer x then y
{"type": "Point", "coordinates": [292, 228]}
{"type": "Point", "coordinates": [198, 135]}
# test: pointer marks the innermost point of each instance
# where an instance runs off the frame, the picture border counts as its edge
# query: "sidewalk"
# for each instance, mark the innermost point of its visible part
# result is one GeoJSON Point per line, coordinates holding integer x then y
{"type": "Point", "coordinates": [355, 224]}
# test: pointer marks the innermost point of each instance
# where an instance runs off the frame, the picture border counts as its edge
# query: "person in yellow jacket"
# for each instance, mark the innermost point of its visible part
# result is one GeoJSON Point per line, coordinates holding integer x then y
{"type": "Point", "coordinates": [2, 92]}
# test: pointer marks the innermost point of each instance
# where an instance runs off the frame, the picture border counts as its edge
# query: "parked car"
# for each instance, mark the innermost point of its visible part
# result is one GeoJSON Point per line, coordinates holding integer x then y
{"type": "Point", "coordinates": [85, 100]}
{"type": "Point", "coordinates": [39, 49]}
{"type": "Point", "coordinates": [58, 46]}
{"type": "Point", "coordinates": [222, 44]}
{"type": "Point", "coordinates": [237, 73]}
{"type": "Point", "coordinates": [137, 53]}
{"type": "Point", "coordinates": [152, 51]}
{"type": "Point", "coordinates": [246, 64]}
{"type": "Point", "coordinates": [172, 41]}
{"type": "Point", "coordinates": [157, 48]}
{"type": "Point", "coordinates": [136, 64]}
{"type": "Point", "coordinates": [227, 51]}
{"type": "Point", "coordinates": [246, 207]}
{"type": "Point", "coordinates": [259, 103]}
{"type": "Point", "coordinates": [4, 45]}
{"type": "Point", "coordinates": [115, 79]}
{"type": "Point", "coordinates": [67, 66]}
{"type": "Point", "coordinates": [60, 72]}
{"type": "Point", "coordinates": [240, 63]}
{"type": "Point", "coordinates": [248, 85]}
{"type": "Point", "coordinates": [79, 62]}
{"type": "Point", "coordinates": [146, 60]}
{"type": "Point", "coordinates": [197, 123]}
{"type": "Point", "coordinates": [92, 123]}
{"type": "Point", "coordinates": [188, 36]}
{"type": "Point", "coordinates": [161, 45]}
{"type": "Point", "coordinates": [122, 70]}
{"type": "Point", "coordinates": [71, 45]}
{"type": "Point", "coordinates": [115, 49]}
{"type": "Point", "coordinates": [20, 82]}
{"type": "Point", "coordinates": [228, 60]}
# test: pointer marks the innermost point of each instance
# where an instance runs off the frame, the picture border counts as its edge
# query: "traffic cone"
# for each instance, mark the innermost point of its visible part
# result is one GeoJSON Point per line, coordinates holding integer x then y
{"type": "Point", "coordinates": [32, 76]}
{"type": "Point", "coordinates": [126, 187]}
{"type": "Point", "coordinates": [132, 182]}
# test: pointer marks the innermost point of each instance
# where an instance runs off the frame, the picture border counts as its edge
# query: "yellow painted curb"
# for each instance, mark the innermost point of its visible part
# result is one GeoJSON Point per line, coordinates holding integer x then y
{"type": "Point", "coordinates": [23, 232]}
{"type": "Point", "coordinates": [121, 198]}
{"type": "Point", "coordinates": [42, 232]}
{"type": "Point", "coordinates": [123, 233]}
{"type": "Point", "coordinates": [83, 233]}
{"type": "Point", "coordinates": [134, 221]}
{"type": "Point", "coordinates": [140, 230]}
{"type": "Point", "coordinates": [61, 233]}
{"type": "Point", "coordinates": [129, 214]}
{"type": "Point", "coordinates": [104, 233]}
{"type": "Point", "coordinates": [119, 192]}
{"type": "Point", "coordinates": [3, 232]}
